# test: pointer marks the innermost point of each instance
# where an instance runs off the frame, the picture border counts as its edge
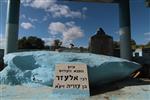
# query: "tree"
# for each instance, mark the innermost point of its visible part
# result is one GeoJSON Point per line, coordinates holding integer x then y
{"type": "Point", "coordinates": [148, 44]}
{"type": "Point", "coordinates": [81, 49]}
{"type": "Point", "coordinates": [133, 42]}
{"type": "Point", "coordinates": [56, 44]}
{"type": "Point", "coordinates": [31, 42]}
{"type": "Point", "coordinates": [71, 45]}
{"type": "Point", "coordinates": [116, 44]}
{"type": "Point", "coordinates": [22, 43]}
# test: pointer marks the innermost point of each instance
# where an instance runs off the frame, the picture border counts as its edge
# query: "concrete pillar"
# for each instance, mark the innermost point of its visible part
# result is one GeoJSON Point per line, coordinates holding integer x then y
{"type": "Point", "coordinates": [12, 26]}
{"type": "Point", "coordinates": [125, 32]}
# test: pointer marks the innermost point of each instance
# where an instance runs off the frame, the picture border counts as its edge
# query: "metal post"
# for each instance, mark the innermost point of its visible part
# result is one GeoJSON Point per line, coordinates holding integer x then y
{"type": "Point", "coordinates": [125, 32]}
{"type": "Point", "coordinates": [12, 26]}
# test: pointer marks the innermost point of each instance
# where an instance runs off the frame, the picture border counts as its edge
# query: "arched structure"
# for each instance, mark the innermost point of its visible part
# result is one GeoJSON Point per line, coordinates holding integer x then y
{"type": "Point", "coordinates": [124, 18]}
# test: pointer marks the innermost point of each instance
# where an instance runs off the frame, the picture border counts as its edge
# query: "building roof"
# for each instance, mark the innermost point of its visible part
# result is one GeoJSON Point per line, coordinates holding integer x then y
{"type": "Point", "coordinates": [101, 34]}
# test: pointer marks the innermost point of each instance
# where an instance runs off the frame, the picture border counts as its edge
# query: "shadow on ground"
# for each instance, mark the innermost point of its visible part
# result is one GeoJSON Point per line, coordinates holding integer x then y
{"type": "Point", "coordinates": [118, 85]}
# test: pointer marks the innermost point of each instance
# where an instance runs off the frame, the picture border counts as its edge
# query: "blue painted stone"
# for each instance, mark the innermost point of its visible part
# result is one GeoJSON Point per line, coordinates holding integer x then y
{"type": "Point", "coordinates": [37, 68]}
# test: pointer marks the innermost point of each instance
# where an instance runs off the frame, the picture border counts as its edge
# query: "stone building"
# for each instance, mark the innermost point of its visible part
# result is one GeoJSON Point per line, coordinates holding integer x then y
{"type": "Point", "coordinates": [101, 43]}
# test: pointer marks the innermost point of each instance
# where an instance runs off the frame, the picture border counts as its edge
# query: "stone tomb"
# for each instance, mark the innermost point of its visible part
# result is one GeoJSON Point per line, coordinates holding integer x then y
{"type": "Point", "coordinates": [71, 79]}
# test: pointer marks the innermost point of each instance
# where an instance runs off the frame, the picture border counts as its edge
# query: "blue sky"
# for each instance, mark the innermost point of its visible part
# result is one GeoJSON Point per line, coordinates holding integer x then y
{"type": "Point", "coordinates": [73, 22]}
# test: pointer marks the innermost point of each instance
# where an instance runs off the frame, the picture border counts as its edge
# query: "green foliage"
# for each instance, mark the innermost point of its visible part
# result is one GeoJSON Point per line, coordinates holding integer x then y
{"type": "Point", "coordinates": [56, 44]}
{"type": "Point", "coordinates": [31, 42]}
{"type": "Point", "coordinates": [116, 44]}
{"type": "Point", "coordinates": [148, 44]}
{"type": "Point", "coordinates": [71, 45]}
{"type": "Point", "coordinates": [133, 42]}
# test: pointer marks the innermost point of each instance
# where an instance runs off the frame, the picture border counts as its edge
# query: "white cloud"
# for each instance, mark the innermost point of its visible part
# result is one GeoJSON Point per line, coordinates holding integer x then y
{"type": "Point", "coordinates": [148, 33]}
{"type": "Point", "coordinates": [71, 23]}
{"type": "Point", "coordinates": [23, 16]}
{"type": "Point", "coordinates": [38, 3]}
{"type": "Point", "coordinates": [147, 36]}
{"type": "Point", "coordinates": [63, 10]}
{"type": "Point", "coordinates": [26, 25]}
{"type": "Point", "coordinates": [26, 2]}
{"type": "Point", "coordinates": [2, 42]}
{"type": "Point", "coordinates": [43, 4]}
{"type": "Point", "coordinates": [72, 33]}
{"type": "Point", "coordinates": [32, 19]}
{"type": "Point", "coordinates": [56, 27]}
{"type": "Point", "coordinates": [48, 41]}
{"type": "Point", "coordinates": [68, 31]}
{"type": "Point", "coordinates": [45, 17]}
{"type": "Point", "coordinates": [84, 8]}
{"type": "Point", "coordinates": [117, 32]}
{"type": "Point", "coordinates": [56, 10]}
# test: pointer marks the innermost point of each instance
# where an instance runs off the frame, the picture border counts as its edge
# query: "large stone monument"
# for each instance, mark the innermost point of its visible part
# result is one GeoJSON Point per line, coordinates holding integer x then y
{"type": "Point", "coordinates": [101, 43]}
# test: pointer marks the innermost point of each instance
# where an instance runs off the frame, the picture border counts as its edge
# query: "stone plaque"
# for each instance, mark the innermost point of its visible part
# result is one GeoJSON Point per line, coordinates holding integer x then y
{"type": "Point", "coordinates": [71, 79]}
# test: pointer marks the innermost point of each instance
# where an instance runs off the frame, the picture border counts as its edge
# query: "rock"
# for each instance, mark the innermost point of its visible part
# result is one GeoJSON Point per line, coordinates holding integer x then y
{"type": "Point", "coordinates": [37, 68]}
